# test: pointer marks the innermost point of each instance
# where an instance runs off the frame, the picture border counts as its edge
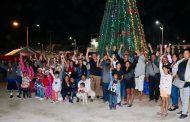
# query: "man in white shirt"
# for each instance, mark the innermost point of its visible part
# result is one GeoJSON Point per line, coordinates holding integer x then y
{"type": "Point", "coordinates": [89, 91]}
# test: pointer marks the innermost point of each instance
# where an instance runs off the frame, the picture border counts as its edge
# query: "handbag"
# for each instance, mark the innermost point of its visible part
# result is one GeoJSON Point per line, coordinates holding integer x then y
{"type": "Point", "coordinates": [179, 83]}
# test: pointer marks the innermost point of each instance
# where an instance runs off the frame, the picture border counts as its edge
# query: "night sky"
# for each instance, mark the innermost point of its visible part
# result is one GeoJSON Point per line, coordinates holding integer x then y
{"type": "Point", "coordinates": [81, 18]}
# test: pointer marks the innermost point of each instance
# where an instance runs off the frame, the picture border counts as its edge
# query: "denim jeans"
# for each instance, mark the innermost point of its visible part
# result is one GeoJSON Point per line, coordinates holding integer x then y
{"type": "Point", "coordinates": [73, 93]}
{"type": "Point", "coordinates": [19, 82]}
{"type": "Point", "coordinates": [112, 101]}
{"type": "Point", "coordinates": [123, 89]}
{"type": "Point", "coordinates": [40, 91]}
{"type": "Point", "coordinates": [175, 95]}
{"type": "Point", "coordinates": [105, 91]}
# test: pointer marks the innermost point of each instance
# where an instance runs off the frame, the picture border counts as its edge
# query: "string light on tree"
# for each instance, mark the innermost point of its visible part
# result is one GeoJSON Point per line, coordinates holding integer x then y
{"type": "Point", "coordinates": [121, 25]}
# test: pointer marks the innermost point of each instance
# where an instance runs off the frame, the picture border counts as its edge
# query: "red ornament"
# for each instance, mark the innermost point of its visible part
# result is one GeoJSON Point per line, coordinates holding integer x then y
{"type": "Point", "coordinates": [118, 33]}
{"type": "Point", "coordinates": [136, 11]}
{"type": "Point", "coordinates": [126, 33]}
{"type": "Point", "coordinates": [129, 11]}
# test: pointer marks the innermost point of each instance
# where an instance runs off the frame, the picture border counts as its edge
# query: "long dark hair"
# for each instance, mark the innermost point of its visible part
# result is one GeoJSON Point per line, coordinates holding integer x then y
{"type": "Point", "coordinates": [177, 56]}
{"type": "Point", "coordinates": [130, 66]}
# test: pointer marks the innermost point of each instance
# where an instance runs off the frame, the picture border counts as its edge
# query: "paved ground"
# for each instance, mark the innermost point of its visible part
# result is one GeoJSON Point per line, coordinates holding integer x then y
{"type": "Point", "coordinates": [33, 110]}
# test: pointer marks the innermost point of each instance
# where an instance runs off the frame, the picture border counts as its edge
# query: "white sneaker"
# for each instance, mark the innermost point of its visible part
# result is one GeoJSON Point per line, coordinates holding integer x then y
{"type": "Point", "coordinates": [41, 99]}
{"type": "Point", "coordinates": [37, 97]}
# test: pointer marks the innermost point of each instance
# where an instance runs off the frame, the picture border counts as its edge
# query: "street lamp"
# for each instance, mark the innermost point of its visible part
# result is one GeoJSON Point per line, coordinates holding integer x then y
{"type": "Point", "coordinates": [157, 22]}
{"type": "Point", "coordinates": [16, 24]}
{"type": "Point", "coordinates": [162, 29]}
{"type": "Point", "coordinates": [37, 25]}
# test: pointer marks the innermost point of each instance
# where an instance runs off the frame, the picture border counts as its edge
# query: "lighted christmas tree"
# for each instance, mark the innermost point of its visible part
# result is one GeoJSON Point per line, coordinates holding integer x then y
{"type": "Point", "coordinates": [121, 24]}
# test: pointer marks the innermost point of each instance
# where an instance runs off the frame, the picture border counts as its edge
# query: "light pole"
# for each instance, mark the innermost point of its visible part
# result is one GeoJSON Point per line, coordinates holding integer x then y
{"type": "Point", "coordinates": [162, 29]}
{"type": "Point", "coordinates": [16, 24]}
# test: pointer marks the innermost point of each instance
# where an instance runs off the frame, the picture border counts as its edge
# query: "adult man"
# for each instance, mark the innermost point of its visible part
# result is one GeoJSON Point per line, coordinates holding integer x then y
{"type": "Point", "coordinates": [153, 76]}
{"type": "Point", "coordinates": [106, 70]}
{"type": "Point", "coordinates": [183, 74]}
{"type": "Point", "coordinates": [140, 73]}
{"type": "Point", "coordinates": [95, 73]}
{"type": "Point", "coordinates": [89, 91]}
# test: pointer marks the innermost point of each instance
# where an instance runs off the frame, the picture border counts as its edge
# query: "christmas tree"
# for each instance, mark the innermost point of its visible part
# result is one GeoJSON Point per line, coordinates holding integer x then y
{"type": "Point", "coordinates": [121, 24]}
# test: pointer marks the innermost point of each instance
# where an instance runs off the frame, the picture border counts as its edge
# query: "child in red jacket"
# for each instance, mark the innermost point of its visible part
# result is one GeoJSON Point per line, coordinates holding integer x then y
{"type": "Point", "coordinates": [47, 81]}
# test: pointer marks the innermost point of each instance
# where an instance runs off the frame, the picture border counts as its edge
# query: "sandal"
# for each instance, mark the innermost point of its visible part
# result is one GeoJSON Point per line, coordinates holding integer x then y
{"type": "Point", "coordinates": [165, 114]}
{"type": "Point", "coordinates": [159, 113]}
{"type": "Point", "coordinates": [130, 105]}
{"type": "Point", "coordinates": [125, 103]}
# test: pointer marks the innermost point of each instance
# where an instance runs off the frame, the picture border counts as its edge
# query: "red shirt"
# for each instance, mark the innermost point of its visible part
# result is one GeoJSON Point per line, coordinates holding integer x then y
{"type": "Point", "coordinates": [70, 69]}
{"type": "Point", "coordinates": [45, 82]}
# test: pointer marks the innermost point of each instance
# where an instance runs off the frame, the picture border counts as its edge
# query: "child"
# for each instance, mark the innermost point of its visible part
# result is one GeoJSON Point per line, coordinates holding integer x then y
{"type": "Point", "coordinates": [56, 86]}
{"type": "Point", "coordinates": [83, 93]}
{"type": "Point", "coordinates": [114, 91]}
{"type": "Point", "coordinates": [25, 85]}
{"type": "Point", "coordinates": [165, 87]}
{"type": "Point", "coordinates": [47, 81]}
{"type": "Point", "coordinates": [39, 85]}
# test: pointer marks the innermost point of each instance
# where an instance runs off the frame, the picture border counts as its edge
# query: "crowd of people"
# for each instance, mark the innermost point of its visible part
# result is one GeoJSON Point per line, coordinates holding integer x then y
{"type": "Point", "coordinates": [112, 78]}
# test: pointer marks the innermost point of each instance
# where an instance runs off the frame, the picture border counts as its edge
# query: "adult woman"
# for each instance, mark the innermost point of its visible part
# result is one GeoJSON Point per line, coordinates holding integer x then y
{"type": "Point", "coordinates": [175, 90]}
{"type": "Point", "coordinates": [80, 70]}
{"type": "Point", "coordinates": [11, 78]}
{"type": "Point", "coordinates": [130, 83]}
{"type": "Point", "coordinates": [66, 90]}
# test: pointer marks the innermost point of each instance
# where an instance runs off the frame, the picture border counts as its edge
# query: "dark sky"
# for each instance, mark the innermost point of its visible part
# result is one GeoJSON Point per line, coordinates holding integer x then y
{"type": "Point", "coordinates": [80, 18]}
